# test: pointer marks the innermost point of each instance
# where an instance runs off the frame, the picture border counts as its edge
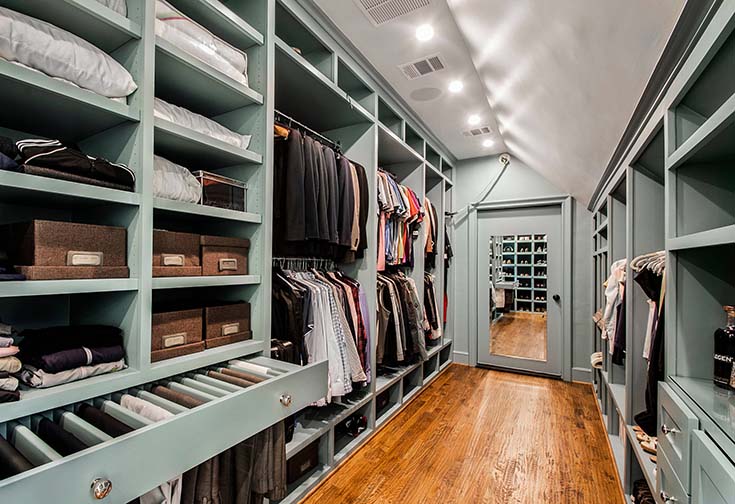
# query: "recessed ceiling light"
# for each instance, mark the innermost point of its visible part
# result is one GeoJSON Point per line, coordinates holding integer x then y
{"type": "Point", "coordinates": [456, 86]}
{"type": "Point", "coordinates": [487, 143]}
{"type": "Point", "coordinates": [473, 119]}
{"type": "Point", "coordinates": [425, 32]}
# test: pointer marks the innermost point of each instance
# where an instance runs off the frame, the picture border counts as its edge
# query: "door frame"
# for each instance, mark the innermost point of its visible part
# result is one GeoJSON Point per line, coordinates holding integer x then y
{"type": "Point", "coordinates": [565, 202]}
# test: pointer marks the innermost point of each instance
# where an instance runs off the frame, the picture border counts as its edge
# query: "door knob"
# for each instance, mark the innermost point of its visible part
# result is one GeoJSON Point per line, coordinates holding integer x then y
{"type": "Point", "coordinates": [556, 297]}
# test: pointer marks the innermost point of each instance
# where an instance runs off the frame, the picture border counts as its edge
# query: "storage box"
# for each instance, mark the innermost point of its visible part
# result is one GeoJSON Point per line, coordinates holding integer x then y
{"type": "Point", "coordinates": [176, 254]}
{"type": "Point", "coordinates": [224, 256]}
{"type": "Point", "coordinates": [176, 333]}
{"type": "Point", "coordinates": [53, 250]}
{"type": "Point", "coordinates": [226, 323]}
{"type": "Point", "coordinates": [222, 192]}
{"type": "Point", "coordinates": [302, 462]}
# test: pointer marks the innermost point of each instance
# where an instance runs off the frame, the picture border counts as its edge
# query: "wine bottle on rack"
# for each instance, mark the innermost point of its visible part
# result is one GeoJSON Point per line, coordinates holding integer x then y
{"type": "Point", "coordinates": [725, 352]}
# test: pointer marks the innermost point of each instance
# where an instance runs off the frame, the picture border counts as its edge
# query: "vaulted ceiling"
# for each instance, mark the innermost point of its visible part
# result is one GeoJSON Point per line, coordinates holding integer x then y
{"type": "Point", "coordinates": [555, 81]}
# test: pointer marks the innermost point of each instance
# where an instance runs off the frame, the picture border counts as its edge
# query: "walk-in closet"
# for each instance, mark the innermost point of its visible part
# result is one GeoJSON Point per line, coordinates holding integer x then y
{"type": "Point", "coordinates": [381, 251]}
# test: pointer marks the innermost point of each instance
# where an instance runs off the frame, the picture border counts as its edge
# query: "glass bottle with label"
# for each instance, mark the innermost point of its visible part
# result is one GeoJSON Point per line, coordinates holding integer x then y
{"type": "Point", "coordinates": [725, 351]}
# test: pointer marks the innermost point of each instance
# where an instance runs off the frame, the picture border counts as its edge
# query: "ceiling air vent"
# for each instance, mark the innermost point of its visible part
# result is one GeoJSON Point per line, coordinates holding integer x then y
{"type": "Point", "coordinates": [484, 130]}
{"type": "Point", "coordinates": [382, 11]}
{"type": "Point", "coordinates": [422, 67]}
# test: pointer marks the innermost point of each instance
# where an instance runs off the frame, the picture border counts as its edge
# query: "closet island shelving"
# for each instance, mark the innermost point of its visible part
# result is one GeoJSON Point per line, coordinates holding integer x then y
{"type": "Point", "coordinates": [674, 193]}
{"type": "Point", "coordinates": [344, 103]}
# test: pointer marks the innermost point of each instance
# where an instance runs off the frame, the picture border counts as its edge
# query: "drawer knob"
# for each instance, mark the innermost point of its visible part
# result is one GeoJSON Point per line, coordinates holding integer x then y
{"type": "Point", "coordinates": [101, 488]}
{"type": "Point", "coordinates": [668, 430]}
{"type": "Point", "coordinates": [286, 400]}
{"type": "Point", "coordinates": [666, 497]}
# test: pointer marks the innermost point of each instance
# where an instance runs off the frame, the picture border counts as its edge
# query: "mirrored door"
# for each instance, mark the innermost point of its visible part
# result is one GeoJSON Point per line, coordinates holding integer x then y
{"type": "Point", "coordinates": [519, 319]}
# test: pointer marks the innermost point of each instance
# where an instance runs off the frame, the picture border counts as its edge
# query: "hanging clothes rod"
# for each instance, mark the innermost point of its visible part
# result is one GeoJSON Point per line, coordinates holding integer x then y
{"type": "Point", "coordinates": [291, 121]}
{"type": "Point", "coordinates": [304, 263]}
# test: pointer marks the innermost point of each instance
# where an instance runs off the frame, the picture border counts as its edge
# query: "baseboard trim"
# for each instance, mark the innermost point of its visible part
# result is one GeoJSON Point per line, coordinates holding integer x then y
{"type": "Point", "coordinates": [583, 375]}
{"type": "Point", "coordinates": [462, 357]}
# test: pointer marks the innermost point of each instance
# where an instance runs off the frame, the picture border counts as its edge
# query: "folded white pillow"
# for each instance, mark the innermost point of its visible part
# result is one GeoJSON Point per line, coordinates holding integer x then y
{"type": "Point", "coordinates": [172, 181]}
{"type": "Point", "coordinates": [58, 53]}
{"type": "Point", "coordinates": [196, 122]}
{"type": "Point", "coordinates": [118, 6]}
{"type": "Point", "coordinates": [173, 26]}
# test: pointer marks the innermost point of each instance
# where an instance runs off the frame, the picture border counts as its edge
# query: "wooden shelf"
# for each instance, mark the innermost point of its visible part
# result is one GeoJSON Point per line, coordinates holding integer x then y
{"type": "Point", "coordinates": [45, 192]}
{"type": "Point", "coordinates": [305, 433]}
{"type": "Point", "coordinates": [175, 142]}
{"type": "Point", "coordinates": [87, 19]}
{"type": "Point", "coordinates": [187, 81]}
{"type": "Point", "coordinates": [648, 468]}
{"type": "Point", "coordinates": [713, 141]}
{"type": "Point", "coordinates": [323, 94]}
{"type": "Point", "coordinates": [203, 212]}
{"type": "Point", "coordinates": [33, 101]}
{"type": "Point", "coordinates": [392, 150]}
{"type": "Point", "coordinates": [204, 281]}
{"type": "Point", "coordinates": [208, 357]}
{"type": "Point", "coordinates": [62, 287]}
{"type": "Point", "coordinates": [34, 401]}
{"type": "Point", "coordinates": [343, 452]}
{"type": "Point", "coordinates": [715, 402]}
{"type": "Point", "coordinates": [713, 237]}
{"type": "Point", "coordinates": [221, 21]}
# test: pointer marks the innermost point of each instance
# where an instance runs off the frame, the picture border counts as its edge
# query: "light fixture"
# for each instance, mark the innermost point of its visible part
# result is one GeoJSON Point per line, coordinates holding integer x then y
{"type": "Point", "coordinates": [473, 120]}
{"type": "Point", "coordinates": [425, 32]}
{"type": "Point", "coordinates": [487, 143]}
{"type": "Point", "coordinates": [456, 86]}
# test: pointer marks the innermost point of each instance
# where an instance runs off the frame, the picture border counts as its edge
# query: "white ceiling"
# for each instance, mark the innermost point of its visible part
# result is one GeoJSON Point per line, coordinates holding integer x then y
{"type": "Point", "coordinates": [557, 81]}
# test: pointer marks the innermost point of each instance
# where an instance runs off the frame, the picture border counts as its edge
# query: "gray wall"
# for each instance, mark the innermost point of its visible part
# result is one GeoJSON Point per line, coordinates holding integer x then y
{"type": "Point", "coordinates": [471, 178]}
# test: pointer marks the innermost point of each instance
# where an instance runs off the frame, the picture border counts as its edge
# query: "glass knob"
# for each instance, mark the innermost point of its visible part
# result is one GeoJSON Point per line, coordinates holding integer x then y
{"type": "Point", "coordinates": [286, 400]}
{"type": "Point", "coordinates": [666, 497]}
{"type": "Point", "coordinates": [668, 430]}
{"type": "Point", "coordinates": [101, 488]}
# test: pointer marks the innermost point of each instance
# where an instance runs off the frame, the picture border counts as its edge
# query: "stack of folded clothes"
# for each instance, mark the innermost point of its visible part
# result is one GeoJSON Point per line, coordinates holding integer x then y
{"type": "Point", "coordinates": [58, 355]}
{"type": "Point", "coordinates": [51, 158]}
{"type": "Point", "coordinates": [8, 272]}
{"type": "Point", "coordinates": [9, 364]}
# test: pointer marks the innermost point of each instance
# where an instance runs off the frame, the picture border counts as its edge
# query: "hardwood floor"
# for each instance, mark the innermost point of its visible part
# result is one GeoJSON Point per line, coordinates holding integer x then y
{"type": "Point", "coordinates": [519, 334]}
{"type": "Point", "coordinates": [480, 436]}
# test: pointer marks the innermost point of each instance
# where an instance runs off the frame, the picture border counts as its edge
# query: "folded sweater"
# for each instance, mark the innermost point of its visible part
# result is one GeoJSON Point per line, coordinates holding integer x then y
{"type": "Point", "coordinates": [37, 342]}
{"type": "Point", "coordinates": [76, 357]}
{"type": "Point", "coordinates": [37, 378]}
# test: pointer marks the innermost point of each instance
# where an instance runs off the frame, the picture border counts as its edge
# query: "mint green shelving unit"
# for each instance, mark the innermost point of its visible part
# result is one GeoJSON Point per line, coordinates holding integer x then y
{"type": "Point", "coordinates": [324, 87]}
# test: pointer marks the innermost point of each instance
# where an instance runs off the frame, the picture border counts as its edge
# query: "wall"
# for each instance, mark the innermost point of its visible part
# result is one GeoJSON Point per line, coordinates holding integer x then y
{"type": "Point", "coordinates": [471, 178]}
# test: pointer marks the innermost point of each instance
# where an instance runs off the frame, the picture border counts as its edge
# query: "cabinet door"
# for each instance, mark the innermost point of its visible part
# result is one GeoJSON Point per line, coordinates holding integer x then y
{"type": "Point", "coordinates": [150, 455]}
{"type": "Point", "coordinates": [713, 475]}
{"type": "Point", "coordinates": [669, 488]}
{"type": "Point", "coordinates": [675, 425]}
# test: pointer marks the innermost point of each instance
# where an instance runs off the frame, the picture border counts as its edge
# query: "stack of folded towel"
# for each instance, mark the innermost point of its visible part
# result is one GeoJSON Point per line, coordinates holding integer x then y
{"type": "Point", "coordinates": [58, 355]}
{"type": "Point", "coordinates": [9, 364]}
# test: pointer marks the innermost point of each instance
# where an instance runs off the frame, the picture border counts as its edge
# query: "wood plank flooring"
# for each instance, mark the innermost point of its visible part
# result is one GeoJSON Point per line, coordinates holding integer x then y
{"type": "Point", "coordinates": [480, 436]}
{"type": "Point", "coordinates": [519, 334]}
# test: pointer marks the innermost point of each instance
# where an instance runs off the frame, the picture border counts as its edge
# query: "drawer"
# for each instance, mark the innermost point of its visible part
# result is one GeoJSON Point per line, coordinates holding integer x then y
{"type": "Point", "coordinates": [669, 488]}
{"type": "Point", "coordinates": [140, 460]}
{"type": "Point", "coordinates": [713, 475]}
{"type": "Point", "coordinates": [675, 425]}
